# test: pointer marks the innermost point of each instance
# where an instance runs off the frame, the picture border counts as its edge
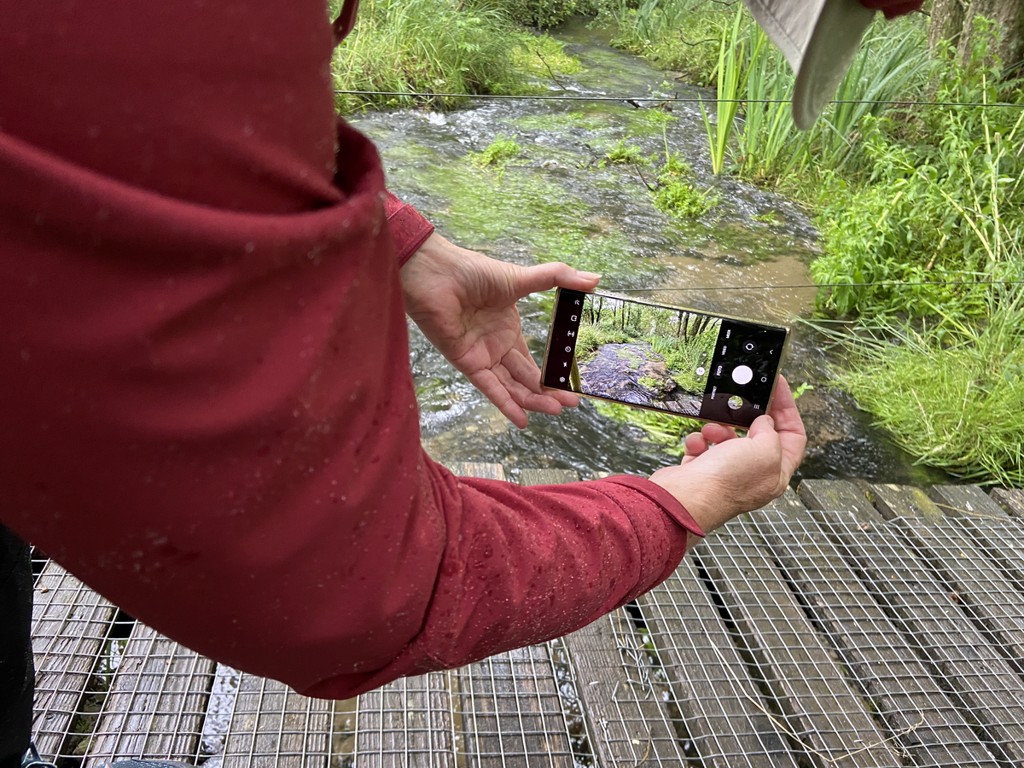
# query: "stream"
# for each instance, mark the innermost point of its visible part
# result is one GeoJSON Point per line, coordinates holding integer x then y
{"type": "Point", "coordinates": [556, 200]}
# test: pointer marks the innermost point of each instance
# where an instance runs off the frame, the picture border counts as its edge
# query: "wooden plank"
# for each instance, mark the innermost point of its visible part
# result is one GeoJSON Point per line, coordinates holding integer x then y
{"type": "Point", "coordinates": [272, 726]}
{"type": "Point", "coordinates": [512, 711]}
{"type": "Point", "coordinates": [70, 624]}
{"type": "Point", "coordinates": [824, 712]}
{"type": "Point", "coordinates": [837, 495]}
{"type": "Point", "coordinates": [904, 501]}
{"type": "Point", "coordinates": [627, 718]}
{"type": "Point", "coordinates": [1003, 542]}
{"type": "Point", "coordinates": [975, 582]}
{"type": "Point", "coordinates": [979, 679]}
{"type": "Point", "coordinates": [1011, 500]}
{"type": "Point", "coordinates": [965, 501]}
{"type": "Point", "coordinates": [547, 476]}
{"type": "Point", "coordinates": [407, 723]}
{"type": "Point", "coordinates": [478, 469]}
{"type": "Point", "coordinates": [156, 703]}
{"type": "Point", "coordinates": [925, 724]}
{"type": "Point", "coordinates": [726, 718]}
{"type": "Point", "coordinates": [789, 501]}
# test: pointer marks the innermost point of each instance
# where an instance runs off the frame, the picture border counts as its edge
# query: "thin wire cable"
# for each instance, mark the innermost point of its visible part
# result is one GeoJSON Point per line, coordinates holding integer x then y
{"type": "Point", "coordinates": [793, 286]}
{"type": "Point", "coordinates": [422, 95]}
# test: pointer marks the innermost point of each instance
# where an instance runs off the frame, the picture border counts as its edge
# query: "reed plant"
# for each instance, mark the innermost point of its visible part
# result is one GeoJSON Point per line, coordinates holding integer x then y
{"type": "Point", "coordinates": [733, 72]}
{"type": "Point", "coordinates": [755, 79]}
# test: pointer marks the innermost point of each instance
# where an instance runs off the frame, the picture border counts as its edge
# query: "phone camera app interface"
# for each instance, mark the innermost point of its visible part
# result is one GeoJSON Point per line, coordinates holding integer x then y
{"type": "Point", "coordinates": [665, 358]}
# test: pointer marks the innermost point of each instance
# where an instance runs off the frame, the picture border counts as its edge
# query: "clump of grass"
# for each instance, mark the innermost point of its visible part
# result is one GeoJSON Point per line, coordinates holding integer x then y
{"type": "Point", "coordinates": [954, 403]}
{"type": "Point", "coordinates": [498, 153]}
{"type": "Point", "coordinates": [665, 430]}
{"type": "Point", "coordinates": [676, 193]}
{"type": "Point", "coordinates": [624, 153]}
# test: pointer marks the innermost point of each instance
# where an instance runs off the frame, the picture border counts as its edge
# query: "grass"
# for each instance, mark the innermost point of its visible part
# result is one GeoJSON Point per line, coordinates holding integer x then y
{"type": "Point", "coordinates": [954, 403]}
{"type": "Point", "coordinates": [402, 48]}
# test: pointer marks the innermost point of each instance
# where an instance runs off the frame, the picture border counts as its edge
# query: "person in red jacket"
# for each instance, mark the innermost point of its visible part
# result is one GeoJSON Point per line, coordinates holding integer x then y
{"type": "Point", "coordinates": [208, 410]}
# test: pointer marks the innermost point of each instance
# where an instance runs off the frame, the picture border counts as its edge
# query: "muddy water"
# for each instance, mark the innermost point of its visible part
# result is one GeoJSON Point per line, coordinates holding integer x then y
{"type": "Point", "coordinates": [560, 199]}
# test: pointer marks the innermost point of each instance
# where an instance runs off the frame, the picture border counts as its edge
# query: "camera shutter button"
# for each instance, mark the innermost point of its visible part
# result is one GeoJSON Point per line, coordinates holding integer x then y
{"type": "Point", "coordinates": [742, 374]}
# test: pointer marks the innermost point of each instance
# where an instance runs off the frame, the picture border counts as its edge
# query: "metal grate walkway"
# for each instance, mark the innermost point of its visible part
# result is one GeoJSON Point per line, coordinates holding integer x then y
{"type": "Point", "coordinates": [887, 630]}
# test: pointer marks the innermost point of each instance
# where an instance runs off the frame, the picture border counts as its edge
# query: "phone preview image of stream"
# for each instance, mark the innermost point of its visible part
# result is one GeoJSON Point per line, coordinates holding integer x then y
{"type": "Point", "coordinates": [664, 358]}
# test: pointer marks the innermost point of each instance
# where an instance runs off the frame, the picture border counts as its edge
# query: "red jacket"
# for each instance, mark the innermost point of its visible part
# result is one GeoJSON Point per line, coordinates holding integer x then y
{"type": "Point", "coordinates": [207, 408]}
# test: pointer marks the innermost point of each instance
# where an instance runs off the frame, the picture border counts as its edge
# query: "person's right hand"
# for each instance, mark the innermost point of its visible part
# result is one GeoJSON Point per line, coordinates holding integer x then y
{"type": "Point", "coordinates": [724, 475]}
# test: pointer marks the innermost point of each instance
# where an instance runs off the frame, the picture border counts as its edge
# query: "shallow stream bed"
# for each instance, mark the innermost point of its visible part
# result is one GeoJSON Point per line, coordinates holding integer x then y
{"type": "Point", "coordinates": [560, 199]}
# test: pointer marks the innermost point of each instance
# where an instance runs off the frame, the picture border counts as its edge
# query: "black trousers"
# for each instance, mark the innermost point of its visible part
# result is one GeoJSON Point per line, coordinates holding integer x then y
{"type": "Point", "coordinates": [17, 675]}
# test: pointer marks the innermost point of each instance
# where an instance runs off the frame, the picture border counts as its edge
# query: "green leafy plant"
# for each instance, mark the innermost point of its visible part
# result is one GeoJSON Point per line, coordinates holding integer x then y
{"type": "Point", "coordinates": [624, 153]}
{"type": "Point", "coordinates": [498, 153]}
{"type": "Point", "coordinates": [677, 194]}
{"type": "Point", "coordinates": [665, 430]}
{"type": "Point", "coordinates": [732, 74]}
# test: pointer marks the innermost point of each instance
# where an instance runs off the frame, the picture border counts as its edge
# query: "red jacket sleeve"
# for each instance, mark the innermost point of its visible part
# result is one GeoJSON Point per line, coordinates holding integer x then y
{"type": "Point", "coordinates": [208, 413]}
{"type": "Point", "coordinates": [409, 229]}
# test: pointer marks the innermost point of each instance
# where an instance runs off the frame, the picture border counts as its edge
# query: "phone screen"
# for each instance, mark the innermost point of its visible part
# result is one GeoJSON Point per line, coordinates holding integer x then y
{"type": "Point", "coordinates": [670, 359]}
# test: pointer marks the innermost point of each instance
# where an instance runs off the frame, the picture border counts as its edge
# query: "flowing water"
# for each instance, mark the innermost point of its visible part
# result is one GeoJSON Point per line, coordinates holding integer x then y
{"type": "Point", "coordinates": [557, 199]}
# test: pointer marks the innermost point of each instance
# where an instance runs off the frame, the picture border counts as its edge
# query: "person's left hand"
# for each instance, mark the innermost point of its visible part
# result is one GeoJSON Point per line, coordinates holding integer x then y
{"type": "Point", "coordinates": [465, 304]}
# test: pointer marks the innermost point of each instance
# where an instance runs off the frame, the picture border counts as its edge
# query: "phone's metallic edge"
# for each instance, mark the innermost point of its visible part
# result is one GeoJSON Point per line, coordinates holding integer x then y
{"type": "Point", "coordinates": [771, 396]}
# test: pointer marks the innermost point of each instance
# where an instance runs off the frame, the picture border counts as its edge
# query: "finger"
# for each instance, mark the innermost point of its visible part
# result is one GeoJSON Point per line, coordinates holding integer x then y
{"type": "Point", "coordinates": [525, 397]}
{"type": "Point", "coordinates": [523, 369]}
{"type": "Point", "coordinates": [717, 433]}
{"type": "Point", "coordinates": [531, 398]}
{"type": "Point", "coordinates": [543, 277]}
{"type": "Point", "coordinates": [788, 424]}
{"type": "Point", "coordinates": [495, 391]}
{"type": "Point", "coordinates": [695, 445]}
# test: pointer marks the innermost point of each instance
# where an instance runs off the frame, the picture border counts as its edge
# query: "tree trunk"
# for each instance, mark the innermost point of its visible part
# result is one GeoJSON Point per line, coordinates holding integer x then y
{"type": "Point", "coordinates": [947, 21]}
{"type": "Point", "coordinates": [953, 20]}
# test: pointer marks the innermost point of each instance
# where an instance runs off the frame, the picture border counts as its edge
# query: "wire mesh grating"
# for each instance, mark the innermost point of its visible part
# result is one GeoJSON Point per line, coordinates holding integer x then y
{"type": "Point", "coordinates": [794, 639]}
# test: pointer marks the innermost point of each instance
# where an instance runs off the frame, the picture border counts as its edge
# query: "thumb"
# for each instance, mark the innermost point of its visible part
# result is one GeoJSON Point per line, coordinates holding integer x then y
{"type": "Point", "coordinates": [763, 428]}
{"type": "Point", "coordinates": [543, 277]}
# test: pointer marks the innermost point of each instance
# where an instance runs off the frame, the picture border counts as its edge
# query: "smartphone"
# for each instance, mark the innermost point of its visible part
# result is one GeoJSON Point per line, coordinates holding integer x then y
{"type": "Point", "coordinates": [663, 358]}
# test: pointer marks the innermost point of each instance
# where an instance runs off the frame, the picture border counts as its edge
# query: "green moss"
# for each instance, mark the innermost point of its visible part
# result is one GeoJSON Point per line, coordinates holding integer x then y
{"type": "Point", "coordinates": [498, 153]}
{"type": "Point", "coordinates": [556, 122]}
{"type": "Point", "coordinates": [526, 208]}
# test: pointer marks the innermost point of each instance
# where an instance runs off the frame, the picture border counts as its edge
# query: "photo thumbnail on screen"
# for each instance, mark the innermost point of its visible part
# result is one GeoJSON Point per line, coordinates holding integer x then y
{"type": "Point", "coordinates": [664, 358]}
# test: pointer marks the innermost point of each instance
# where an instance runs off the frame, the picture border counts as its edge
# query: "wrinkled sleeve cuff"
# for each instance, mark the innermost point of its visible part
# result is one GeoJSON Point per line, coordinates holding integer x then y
{"type": "Point", "coordinates": [662, 498]}
{"type": "Point", "coordinates": [409, 229]}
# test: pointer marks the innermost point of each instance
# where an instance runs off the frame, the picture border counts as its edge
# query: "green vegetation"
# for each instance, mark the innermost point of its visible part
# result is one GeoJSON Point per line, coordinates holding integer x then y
{"type": "Point", "coordinates": [624, 153]}
{"type": "Point", "coordinates": [921, 208]}
{"type": "Point", "coordinates": [664, 430]}
{"type": "Point", "coordinates": [409, 47]}
{"type": "Point", "coordinates": [498, 153]}
{"type": "Point", "coordinates": [681, 35]}
{"type": "Point", "coordinates": [676, 193]}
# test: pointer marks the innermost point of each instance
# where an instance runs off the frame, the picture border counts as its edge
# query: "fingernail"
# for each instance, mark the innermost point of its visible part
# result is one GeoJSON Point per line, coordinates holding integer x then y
{"type": "Point", "coordinates": [588, 275]}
